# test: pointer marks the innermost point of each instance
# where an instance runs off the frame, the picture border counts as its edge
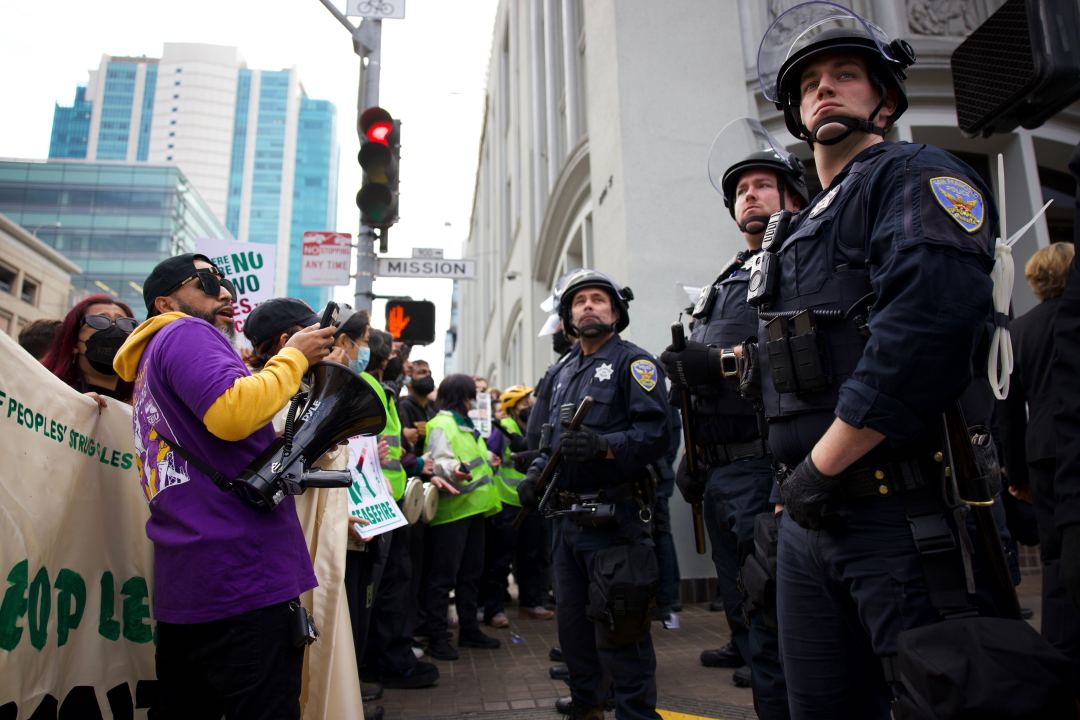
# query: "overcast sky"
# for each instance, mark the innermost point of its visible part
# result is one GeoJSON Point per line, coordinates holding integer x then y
{"type": "Point", "coordinates": [434, 74]}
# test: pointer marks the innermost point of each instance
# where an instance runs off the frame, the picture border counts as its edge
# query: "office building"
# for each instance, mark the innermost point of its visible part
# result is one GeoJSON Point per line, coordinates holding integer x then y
{"type": "Point", "coordinates": [114, 220]}
{"type": "Point", "coordinates": [598, 121]}
{"type": "Point", "coordinates": [263, 156]}
{"type": "Point", "coordinates": [35, 280]}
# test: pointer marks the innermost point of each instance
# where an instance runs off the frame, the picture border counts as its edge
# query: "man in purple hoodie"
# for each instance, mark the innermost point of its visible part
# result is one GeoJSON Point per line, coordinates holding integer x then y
{"type": "Point", "coordinates": [226, 575]}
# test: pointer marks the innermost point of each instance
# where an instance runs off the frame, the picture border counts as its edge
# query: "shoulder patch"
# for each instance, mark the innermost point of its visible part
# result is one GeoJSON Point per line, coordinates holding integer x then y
{"type": "Point", "coordinates": [963, 203]}
{"type": "Point", "coordinates": [644, 373]}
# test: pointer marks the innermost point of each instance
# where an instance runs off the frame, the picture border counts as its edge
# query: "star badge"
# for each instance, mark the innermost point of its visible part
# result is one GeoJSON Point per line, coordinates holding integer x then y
{"type": "Point", "coordinates": [604, 372]}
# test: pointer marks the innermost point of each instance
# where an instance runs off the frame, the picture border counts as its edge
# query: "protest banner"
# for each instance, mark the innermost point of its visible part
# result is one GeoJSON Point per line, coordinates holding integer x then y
{"type": "Point", "coordinates": [327, 258]}
{"type": "Point", "coordinates": [251, 268]}
{"type": "Point", "coordinates": [76, 627]}
{"type": "Point", "coordinates": [481, 414]}
{"type": "Point", "coordinates": [75, 622]}
{"type": "Point", "coordinates": [369, 495]}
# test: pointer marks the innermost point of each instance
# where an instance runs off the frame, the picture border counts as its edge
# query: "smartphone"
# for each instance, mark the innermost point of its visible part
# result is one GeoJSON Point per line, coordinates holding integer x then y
{"type": "Point", "coordinates": [329, 314]}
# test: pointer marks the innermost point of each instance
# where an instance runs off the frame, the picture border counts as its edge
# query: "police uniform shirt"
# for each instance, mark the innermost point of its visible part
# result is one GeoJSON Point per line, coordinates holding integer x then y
{"type": "Point", "coordinates": [911, 229]}
{"type": "Point", "coordinates": [629, 410]}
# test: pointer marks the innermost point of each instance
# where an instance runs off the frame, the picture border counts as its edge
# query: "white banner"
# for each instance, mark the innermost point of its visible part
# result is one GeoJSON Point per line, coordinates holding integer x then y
{"type": "Point", "coordinates": [369, 495]}
{"type": "Point", "coordinates": [481, 414]}
{"type": "Point", "coordinates": [250, 266]}
{"type": "Point", "coordinates": [327, 258]}
{"type": "Point", "coordinates": [76, 627]}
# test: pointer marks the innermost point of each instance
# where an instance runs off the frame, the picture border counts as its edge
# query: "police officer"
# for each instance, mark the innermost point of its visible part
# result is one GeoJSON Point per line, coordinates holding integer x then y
{"type": "Point", "coordinates": [756, 177]}
{"type": "Point", "coordinates": [871, 305]}
{"type": "Point", "coordinates": [603, 558]}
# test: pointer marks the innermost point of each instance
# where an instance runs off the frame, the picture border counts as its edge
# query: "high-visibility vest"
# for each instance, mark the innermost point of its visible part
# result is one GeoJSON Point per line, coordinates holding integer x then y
{"type": "Point", "coordinates": [391, 466]}
{"type": "Point", "coordinates": [508, 477]}
{"type": "Point", "coordinates": [477, 495]}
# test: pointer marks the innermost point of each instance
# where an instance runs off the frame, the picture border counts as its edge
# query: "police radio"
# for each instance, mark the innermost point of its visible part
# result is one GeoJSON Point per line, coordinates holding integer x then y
{"type": "Point", "coordinates": [764, 268]}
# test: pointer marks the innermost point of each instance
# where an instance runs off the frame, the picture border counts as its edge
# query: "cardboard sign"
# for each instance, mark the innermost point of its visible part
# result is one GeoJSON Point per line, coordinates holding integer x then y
{"type": "Point", "coordinates": [251, 268]}
{"type": "Point", "coordinates": [369, 495]}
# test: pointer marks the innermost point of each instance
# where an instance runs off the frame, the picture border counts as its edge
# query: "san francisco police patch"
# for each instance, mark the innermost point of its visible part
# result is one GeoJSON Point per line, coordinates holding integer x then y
{"type": "Point", "coordinates": [644, 373]}
{"type": "Point", "coordinates": [962, 202]}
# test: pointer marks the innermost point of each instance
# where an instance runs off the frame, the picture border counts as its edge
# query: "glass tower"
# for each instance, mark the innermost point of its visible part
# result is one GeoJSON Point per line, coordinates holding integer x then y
{"type": "Point", "coordinates": [262, 155]}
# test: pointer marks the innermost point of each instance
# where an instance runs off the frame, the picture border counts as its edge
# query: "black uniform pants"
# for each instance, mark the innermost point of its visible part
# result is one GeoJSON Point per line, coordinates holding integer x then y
{"type": "Point", "coordinates": [243, 667]}
{"type": "Point", "coordinates": [454, 560]}
{"type": "Point", "coordinates": [389, 648]}
{"type": "Point", "coordinates": [360, 592]}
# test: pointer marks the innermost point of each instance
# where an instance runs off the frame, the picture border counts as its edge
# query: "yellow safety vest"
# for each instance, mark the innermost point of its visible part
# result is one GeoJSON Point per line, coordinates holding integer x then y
{"type": "Point", "coordinates": [509, 478]}
{"type": "Point", "coordinates": [477, 495]}
{"type": "Point", "coordinates": [391, 466]}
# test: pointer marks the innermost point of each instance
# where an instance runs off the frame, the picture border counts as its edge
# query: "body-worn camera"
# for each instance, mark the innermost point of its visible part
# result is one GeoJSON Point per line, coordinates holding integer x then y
{"type": "Point", "coordinates": [764, 268]}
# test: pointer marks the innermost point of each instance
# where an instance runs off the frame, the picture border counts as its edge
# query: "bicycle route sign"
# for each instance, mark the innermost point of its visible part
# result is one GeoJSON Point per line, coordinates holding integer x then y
{"type": "Point", "coordinates": [379, 9]}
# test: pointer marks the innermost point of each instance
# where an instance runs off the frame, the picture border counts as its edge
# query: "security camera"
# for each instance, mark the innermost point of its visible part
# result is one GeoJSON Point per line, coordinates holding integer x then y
{"type": "Point", "coordinates": [512, 275]}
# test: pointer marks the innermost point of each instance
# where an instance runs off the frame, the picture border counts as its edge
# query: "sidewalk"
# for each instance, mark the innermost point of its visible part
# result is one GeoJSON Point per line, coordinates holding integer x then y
{"type": "Point", "coordinates": [512, 683]}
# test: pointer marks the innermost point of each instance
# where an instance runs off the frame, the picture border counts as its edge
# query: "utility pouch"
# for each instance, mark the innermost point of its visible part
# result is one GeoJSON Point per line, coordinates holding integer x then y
{"type": "Point", "coordinates": [622, 591]}
{"type": "Point", "coordinates": [592, 515]}
{"type": "Point", "coordinates": [302, 628]}
{"type": "Point", "coordinates": [810, 374]}
{"type": "Point", "coordinates": [758, 572]}
{"type": "Point", "coordinates": [986, 458]}
{"type": "Point", "coordinates": [778, 349]}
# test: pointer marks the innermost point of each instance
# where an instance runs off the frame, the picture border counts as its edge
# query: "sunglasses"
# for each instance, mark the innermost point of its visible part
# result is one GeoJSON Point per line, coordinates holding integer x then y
{"type": "Point", "coordinates": [210, 281]}
{"type": "Point", "coordinates": [104, 322]}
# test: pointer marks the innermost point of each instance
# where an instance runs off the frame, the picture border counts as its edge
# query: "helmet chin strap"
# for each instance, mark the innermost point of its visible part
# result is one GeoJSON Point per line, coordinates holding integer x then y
{"type": "Point", "coordinates": [851, 125]}
{"type": "Point", "coordinates": [763, 220]}
{"type": "Point", "coordinates": [599, 328]}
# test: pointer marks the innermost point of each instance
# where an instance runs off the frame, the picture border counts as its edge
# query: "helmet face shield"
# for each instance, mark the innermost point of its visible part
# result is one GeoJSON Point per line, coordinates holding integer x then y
{"type": "Point", "coordinates": [736, 143]}
{"type": "Point", "coordinates": [798, 30]}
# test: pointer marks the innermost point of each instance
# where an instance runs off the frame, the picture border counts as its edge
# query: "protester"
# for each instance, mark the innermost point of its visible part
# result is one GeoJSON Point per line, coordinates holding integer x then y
{"type": "Point", "coordinates": [505, 546]}
{"type": "Point", "coordinates": [36, 336]}
{"type": "Point", "coordinates": [86, 343]}
{"type": "Point", "coordinates": [454, 556]}
{"type": "Point", "coordinates": [1030, 443]}
{"type": "Point", "coordinates": [227, 576]}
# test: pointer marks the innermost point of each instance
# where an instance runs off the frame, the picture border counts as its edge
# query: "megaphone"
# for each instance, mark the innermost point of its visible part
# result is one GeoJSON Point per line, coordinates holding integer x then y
{"type": "Point", "coordinates": [338, 406]}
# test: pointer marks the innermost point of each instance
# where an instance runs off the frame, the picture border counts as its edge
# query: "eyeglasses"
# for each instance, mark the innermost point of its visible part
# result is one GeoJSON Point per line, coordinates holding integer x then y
{"type": "Point", "coordinates": [211, 283]}
{"type": "Point", "coordinates": [104, 322]}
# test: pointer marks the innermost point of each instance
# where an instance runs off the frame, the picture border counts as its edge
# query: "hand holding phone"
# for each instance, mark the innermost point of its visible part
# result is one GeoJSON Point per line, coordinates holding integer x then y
{"type": "Point", "coordinates": [329, 315]}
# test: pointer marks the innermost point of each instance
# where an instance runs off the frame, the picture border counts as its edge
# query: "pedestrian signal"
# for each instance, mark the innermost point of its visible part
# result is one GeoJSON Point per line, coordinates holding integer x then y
{"type": "Point", "coordinates": [411, 321]}
{"type": "Point", "coordinates": [380, 150]}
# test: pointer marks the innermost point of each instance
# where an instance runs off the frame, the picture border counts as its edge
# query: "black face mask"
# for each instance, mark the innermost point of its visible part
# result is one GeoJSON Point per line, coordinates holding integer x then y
{"type": "Point", "coordinates": [524, 415]}
{"type": "Point", "coordinates": [393, 370]}
{"type": "Point", "coordinates": [101, 348]}
{"type": "Point", "coordinates": [560, 343]}
{"type": "Point", "coordinates": [424, 386]}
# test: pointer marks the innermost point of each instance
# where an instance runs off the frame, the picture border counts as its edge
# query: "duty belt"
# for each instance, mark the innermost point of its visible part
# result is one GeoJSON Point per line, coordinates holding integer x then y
{"type": "Point", "coordinates": [726, 453]}
{"type": "Point", "coordinates": [881, 479]}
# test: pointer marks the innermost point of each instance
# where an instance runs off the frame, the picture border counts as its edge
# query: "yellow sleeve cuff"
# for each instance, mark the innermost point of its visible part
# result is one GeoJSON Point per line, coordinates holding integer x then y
{"type": "Point", "coordinates": [252, 401]}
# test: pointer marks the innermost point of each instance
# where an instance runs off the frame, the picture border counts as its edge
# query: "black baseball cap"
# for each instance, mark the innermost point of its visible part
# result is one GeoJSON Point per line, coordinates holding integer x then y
{"type": "Point", "coordinates": [276, 316]}
{"type": "Point", "coordinates": [167, 275]}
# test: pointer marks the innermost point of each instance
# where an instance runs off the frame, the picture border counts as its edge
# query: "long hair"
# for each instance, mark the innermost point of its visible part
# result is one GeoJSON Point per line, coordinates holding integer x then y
{"type": "Point", "coordinates": [60, 358]}
{"type": "Point", "coordinates": [455, 391]}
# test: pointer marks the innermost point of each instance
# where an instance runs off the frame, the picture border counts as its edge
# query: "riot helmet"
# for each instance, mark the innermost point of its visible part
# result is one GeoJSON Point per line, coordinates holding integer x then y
{"type": "Point", "coordinates": [809, 30]}
{"type": "Point", "coordinates": [744, 144]}
{"type": "Point", "coordinates": [586, 278]}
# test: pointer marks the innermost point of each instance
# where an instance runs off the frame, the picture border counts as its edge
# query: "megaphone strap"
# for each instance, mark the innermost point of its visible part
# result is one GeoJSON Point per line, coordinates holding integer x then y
{"type": "Point", "coordinates": [218, 479]}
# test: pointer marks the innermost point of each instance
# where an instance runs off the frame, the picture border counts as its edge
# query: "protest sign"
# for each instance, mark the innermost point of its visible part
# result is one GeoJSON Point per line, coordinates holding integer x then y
{"type": "Point", "coordinates": [369, 495]}
{"type": "Point", "coordinates": [327, 258]}
{"type": "Point", "coordinates": [481, 414]}
{"type": "Point", "coordinates": [250, 267]}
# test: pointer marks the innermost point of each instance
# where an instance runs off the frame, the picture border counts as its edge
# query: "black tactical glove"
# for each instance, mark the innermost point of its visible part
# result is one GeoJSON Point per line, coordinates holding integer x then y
{"type": "Point", "coordinates": [526, 489]}
{"type": "Point", "coordinates": [692, 487]}
{"type": "Point", "coordinates": [582, 445]}
{"type": "Point", "coordinates": [696, 364]}
{"type": "Point", "coordinates": [805, 491]}
{"type": "Point", "coordinates": [1070, 562]}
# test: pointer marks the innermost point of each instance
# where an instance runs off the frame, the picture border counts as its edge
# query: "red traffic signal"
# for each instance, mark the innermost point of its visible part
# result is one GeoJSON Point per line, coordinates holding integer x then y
{"type": "Point", "coordinates": [379, 152]}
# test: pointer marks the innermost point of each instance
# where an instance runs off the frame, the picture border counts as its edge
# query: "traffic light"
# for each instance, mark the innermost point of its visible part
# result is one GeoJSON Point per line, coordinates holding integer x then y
{"type": "Point", "coordinates": [379, 152]}
{"type": "Point", "coordinates": [411, 321]}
